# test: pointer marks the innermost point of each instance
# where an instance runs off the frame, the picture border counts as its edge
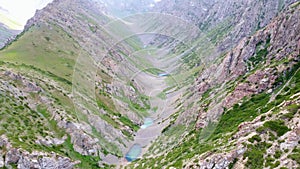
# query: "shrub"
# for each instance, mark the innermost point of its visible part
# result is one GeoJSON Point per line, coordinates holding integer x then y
{"type": "Point", "coordinates": [255, 138]}
{"type": "Point", "coordinates": [255, 157]}
{"type": "Point", "coordinates": [293, 109]}
{"type": "Point", "coordinates": [47, 38]}
{"type": "Point", "coordinates": [245, 112]}
{"type": "Point", "coordinates": [295, 155]}
{"type": "Point", "coordinates": [231, 165]}
{"type": "Point", "coordinates": [277, 154]}
{"type": "Point", "coordinates": [277, 126]}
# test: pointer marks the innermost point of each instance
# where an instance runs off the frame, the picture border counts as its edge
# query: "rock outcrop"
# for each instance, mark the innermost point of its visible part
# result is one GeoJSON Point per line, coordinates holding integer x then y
{"type": "Point", "coordinates": [237, 19]}
{"type": "Point", "coordinates": [23, 159]}
{"type": "Point", "coordinates": [238, 63]}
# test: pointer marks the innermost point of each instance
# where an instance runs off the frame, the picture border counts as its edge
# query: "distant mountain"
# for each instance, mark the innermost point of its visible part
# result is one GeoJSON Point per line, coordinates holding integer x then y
{"type": "Point", "coordinates": [7, 34]}
{"type": "Point", "coordinates": [123, 8]}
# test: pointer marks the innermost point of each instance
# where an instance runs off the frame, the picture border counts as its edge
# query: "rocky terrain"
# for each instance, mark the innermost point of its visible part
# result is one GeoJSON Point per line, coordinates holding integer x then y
{"type": "Point", "coordinates": [82, 89]}
{"type": "Point", "coordinates": [6, 35]}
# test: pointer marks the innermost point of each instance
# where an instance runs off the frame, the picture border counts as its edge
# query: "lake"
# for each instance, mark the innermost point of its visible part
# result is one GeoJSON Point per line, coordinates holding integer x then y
{"type": "Point", "coordinates": [134, 152]}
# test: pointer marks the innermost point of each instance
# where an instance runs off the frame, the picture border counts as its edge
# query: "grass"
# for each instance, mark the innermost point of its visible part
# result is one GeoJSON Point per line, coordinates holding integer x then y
{"type": "Point", "coordinates": [186, 149]}
{"type": "Point", "coordinates": [86, 161]}
{"type": "Point", "coordinates": [293, 109]}
{"type": "Point", "coordinates": [250, 108]}
{"type": "Point", "coordinates": [129, 123]}
{"type": "Point", "coordinates": [154, 71]}
{"type": "Point", "coordinates": [261, 51]}
{"type": "Point", "coordinates": [295, 155]}
{"type": "Point", "coordinates": [22, 125]}
{"type": "Point", "coordinates": [277, 126]}
{"type": "Point", "coordinates": [255, 155]}
{"type": "Point", "coordinates": [50, 50]}
{"type": "Point", "coordinates": [46, 53]}
{"type": "Point", "coordinates": [162, 95]}
{"type": "Point", "coordinates": [20, 122]}
{"type": "Point", "coordinates": [247, 111]}
{"type": "Point", "coordinates": [113, 117]}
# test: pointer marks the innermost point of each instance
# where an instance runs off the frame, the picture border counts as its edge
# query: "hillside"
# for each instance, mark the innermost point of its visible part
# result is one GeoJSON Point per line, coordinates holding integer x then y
{"type": "Point", "coordinates": [6, 34]}
{"type": "Point", "coordinates": [187, 85]}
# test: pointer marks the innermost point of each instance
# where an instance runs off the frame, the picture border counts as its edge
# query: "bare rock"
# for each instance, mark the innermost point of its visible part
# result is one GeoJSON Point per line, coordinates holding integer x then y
{"type": "Point", "coordinates": [291, 140]}
{"type": "Point", "coordinates": [12, 156]}
{"type": "Point", "coordinates": [2, 163]}
{"type": "Point", "coordinates": [218, 161]}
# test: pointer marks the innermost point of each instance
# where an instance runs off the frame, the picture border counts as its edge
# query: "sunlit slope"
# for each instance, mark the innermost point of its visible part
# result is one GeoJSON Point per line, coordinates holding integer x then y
{"type": "Point", "coordinates": [47, 54]}
{"type": "Point", "coordinates": [45, 47]}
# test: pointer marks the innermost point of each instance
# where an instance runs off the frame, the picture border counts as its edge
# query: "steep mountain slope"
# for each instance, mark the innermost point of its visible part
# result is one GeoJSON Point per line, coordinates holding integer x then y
{"type": "Point", "coordinates": [226, 23]}
{"type": "Point", "coordinates": [43, 59]}
{"type": "Point", "coordinates": [80, 88]}
{"type": "Point", "coordinates": [255, 83]}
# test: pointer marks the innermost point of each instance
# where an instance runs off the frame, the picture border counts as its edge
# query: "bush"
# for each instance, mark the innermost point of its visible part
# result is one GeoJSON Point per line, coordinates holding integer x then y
{"type": "Point", "coordinates": [255, 154]}
{"type": "Point", "coordinates": [277, 154]}
{"type": "Point", "coordinates": [295, 155]}
{"type": "Point", "coordinates": [255, 157]}
{"type": "Point", "coordinates": [293, 109]}
{"type": "Point", "coordinates": [231, 165]}
{"type": "Point", "coordinates": [255, 138]}
{"type": "Point", "coordinates": [245, 112]}
{"type": "Point", "coordinates": [47, 38]}
{"type": "Point", "coordinates": [277, 126]}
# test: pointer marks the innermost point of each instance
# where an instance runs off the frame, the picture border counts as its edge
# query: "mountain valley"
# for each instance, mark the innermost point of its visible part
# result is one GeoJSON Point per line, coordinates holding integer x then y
{"type": "Point", "coordinates": [153, 84]}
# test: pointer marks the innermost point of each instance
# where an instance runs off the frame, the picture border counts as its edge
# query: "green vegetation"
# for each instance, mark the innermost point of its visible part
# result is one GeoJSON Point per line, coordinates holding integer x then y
{"type": "Point", "coordinates": [126, 121]}
{"type": "Point", "coordinates": [34, 48]}
{"type": "Point", "coordinates": [220, 31]}
{"type": "Point", "coordinates": [86, 161]}
{"type": "Point", "coordinates": [278, 154]}
{"type": "Point", "coordinates": [23, 125]}
{"type": "Point", "coordinates": [293, 109]}
{"type": "Point", "coordinates": [255, 154]}
{"type": "Point", "coordinates": [231, 165]}
{"type": "Point", "coordinates": [255, 138]}
{"type": "Point", "coordinates": [295, 155]}
{"type": "Point", "coordinates": [277, 126]}
{"type": "Point", "coordinates": [185, 150]}
{"type": "Point", "coordinates": [247, 111]}
{"type": "Point", "coordinates": [162, 95]}
{"type": "Point", "coordinates": [295, 5]}
{"type": "Point", "coordinates": [154, 71]}
{"type": "Point", "coordinates": [112, 116]}
{"type": "Point", "coordinates": [260, 54]}
{"type": "Point", "coordinates": [52, 53]}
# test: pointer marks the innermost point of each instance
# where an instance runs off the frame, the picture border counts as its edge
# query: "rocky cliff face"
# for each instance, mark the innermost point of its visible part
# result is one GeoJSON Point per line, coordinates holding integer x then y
{"type": "Point", "coordinates": [265, 48]}
{"type": "Point", "coordinates": [23, 159]}
{"type": "Point", "coordinates": [235, 19]}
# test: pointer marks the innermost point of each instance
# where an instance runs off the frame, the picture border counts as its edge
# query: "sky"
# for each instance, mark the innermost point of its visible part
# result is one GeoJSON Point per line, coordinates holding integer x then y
{"type": "Point", "coordinates": [15, 13]}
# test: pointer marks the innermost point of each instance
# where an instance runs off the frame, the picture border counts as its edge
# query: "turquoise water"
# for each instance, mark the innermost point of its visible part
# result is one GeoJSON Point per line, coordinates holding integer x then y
{"type": "Point", "coordinates": [134, 152]}
{"type": "Point", "coordinates": [147, 123]}
{"type": "Point", "coordinates": [136, 149]}
{"type": "Point", "coordinates": [163, 74]}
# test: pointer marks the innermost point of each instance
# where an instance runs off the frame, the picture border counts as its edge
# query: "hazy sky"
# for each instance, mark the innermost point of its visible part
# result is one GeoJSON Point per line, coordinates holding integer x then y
{"type": "Point", "coordinates": [19, 11]}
